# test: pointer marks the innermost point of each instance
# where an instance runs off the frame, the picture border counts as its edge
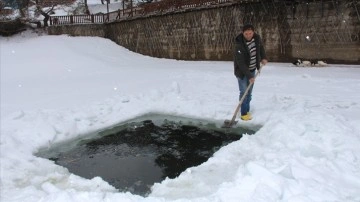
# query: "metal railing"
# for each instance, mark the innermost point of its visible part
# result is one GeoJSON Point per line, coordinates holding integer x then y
{"type": "Point", "coordinates": [160, 7]}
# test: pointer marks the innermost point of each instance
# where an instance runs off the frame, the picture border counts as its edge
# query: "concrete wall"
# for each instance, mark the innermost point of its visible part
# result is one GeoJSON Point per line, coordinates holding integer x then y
{"type": "Point", "coordinates": [326, 30]}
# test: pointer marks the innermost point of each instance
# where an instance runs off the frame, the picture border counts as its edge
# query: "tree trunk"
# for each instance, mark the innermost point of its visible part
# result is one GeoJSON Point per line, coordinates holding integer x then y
{"type": "Point", "coordinates": [45, 14]}
{"type": "Point", "coordinates": [86, 7]}
{"type": "Point", "coordinates": [46, 19]}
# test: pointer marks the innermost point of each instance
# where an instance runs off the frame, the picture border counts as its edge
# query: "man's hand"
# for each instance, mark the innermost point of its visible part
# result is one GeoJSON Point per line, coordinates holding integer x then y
{"type": "Point", "coordinates": [252, 80]}
{"type": "Point", "coordinates": [264, 62]}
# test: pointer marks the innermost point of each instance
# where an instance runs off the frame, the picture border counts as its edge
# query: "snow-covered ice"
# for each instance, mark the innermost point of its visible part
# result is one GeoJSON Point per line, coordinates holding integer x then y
{"type": "Point", "coordinates": [55, 88]}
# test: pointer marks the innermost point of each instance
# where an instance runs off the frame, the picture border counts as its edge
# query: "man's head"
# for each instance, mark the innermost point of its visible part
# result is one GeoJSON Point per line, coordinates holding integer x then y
{"type": "Point", "coordinates": [248, 32]}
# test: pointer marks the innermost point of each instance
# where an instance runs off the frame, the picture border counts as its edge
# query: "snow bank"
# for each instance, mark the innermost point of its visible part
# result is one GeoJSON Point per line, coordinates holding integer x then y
{"type": "Point", "coordinates": [55, 88]}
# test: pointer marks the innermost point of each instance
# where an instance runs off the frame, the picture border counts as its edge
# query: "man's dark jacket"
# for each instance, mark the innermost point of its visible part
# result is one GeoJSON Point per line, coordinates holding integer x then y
{"type": "Point", "coordinates": [242, 56]}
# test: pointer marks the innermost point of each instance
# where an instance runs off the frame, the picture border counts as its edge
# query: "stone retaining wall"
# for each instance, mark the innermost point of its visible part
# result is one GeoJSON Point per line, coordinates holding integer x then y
{"type": "Point", "coordinates": [322, 30]}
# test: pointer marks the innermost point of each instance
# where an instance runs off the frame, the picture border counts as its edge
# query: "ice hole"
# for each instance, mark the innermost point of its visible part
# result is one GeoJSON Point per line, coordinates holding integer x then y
{"type": "Point", "coordinates": [135, 154]}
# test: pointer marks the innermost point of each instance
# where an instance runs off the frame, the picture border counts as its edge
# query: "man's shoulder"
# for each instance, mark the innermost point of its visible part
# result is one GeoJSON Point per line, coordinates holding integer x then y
{"type": "Point", "coordinates": [239, 38]}
{"type": "Point", "coordinates": [257, 36]}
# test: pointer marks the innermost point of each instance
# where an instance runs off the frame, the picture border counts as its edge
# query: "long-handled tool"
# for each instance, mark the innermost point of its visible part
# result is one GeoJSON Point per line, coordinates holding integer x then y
{"type": "Point", "coordinates": [230, 123]}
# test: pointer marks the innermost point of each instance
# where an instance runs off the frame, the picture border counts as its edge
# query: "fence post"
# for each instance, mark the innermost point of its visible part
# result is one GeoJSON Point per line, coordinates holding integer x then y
{"type": "Point", "coordinates": [92, 18]}
{"type": "Point", "coordinates": [123, 8]}
{"type": "Point", "coordinates": [131, 7]}
{"type": "Point", "coordinates": [71, 19]}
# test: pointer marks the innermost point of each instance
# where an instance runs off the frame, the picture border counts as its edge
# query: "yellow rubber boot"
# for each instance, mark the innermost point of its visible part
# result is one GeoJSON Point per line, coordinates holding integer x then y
{"type": "Point", "coordinates": [246, 117]}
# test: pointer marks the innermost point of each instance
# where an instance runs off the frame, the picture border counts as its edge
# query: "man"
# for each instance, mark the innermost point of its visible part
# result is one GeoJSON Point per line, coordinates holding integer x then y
{"type": "Point", "coordinates": [249, 53]}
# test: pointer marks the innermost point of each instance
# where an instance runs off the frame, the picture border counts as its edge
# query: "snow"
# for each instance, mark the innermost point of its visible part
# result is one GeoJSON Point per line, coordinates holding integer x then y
{"type": "Point", "coordinates": [55, 88]}
{"type": "Point", "coordinates": [102, 8]}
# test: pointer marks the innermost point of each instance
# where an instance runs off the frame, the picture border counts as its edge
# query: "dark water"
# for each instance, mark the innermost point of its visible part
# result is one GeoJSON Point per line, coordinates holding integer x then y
{"type": "Point", "coordinates": [133, 156]}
